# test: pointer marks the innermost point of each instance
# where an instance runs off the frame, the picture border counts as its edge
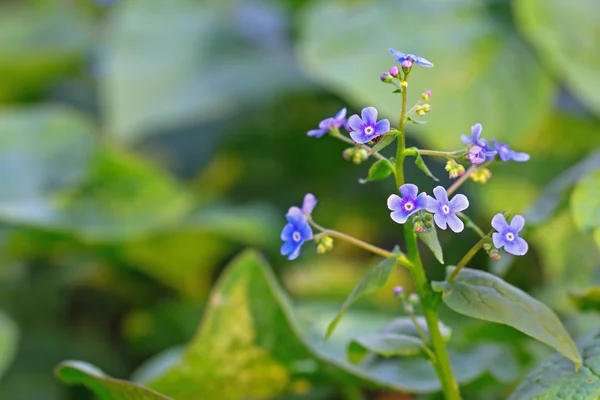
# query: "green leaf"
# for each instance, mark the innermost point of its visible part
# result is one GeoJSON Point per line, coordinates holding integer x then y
{"type": "Point", "coordinates": [381, 169]}
{"type": "Point", "coordinates": [587, 299]}
{"type": "Point", "coordinates": [9, 337]}
{"type": "Point", "coordinates": [372, 281]}
{"type": "Point", "coordinates": [481, 295]}
{"type": "Point", "coordinates": [585, 203]}
{"type": "Point", "coordinates": [501, 79]}
{"type": "Point", "coordinates": [103, 386]}
{"type": "Point", "coordinates": [405, 326]}
{"type": "Point", "coordinates": [384, 344]}
{"type": "Point", "coordinates": [420, 163]}
{"type": "Point", "coordinates": [556, 378]}
{"type": "Point", "coordinates": [416, 121]}
{"type": "Point", "coordinates": [430, 238]}
{"type": "Point", "coordinates": [383, 143]}
{"type": "Point", "coordinates": [566, 37]}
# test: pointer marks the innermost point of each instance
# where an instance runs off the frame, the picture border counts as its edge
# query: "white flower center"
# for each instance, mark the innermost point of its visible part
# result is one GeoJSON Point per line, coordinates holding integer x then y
{"type": "Point", "coordinates": [408, 206]}
{"type": "Point", "coordinates": [510, 236]}
{"type": "Point", "coordinates": [296, 236]}
{"type": "Point", "coordinates": [446, 209]}
{"type": "Point", "coordinates": [369, 130]}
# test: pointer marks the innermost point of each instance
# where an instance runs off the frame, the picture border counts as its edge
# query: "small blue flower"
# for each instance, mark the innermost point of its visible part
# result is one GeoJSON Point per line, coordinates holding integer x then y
{"type": "Point", "coordinates": [329, 124]}
{"type": "Point", "coordinates": [477, 140]}
{"type": "Point", "coordinates": [508, 235]}
{"type": "Point", "coordinates": [506, 153]}
{"type": "Point", "coordinates": [476, 155]}
{"type": "Point", "coordinates": [402, 57]}
{"type": "Point", "coordinates": [295, 233]}
{"type": "Point", "coordinates": [410, 202]}
{"type": "Point", "coordinates": [366, 129]}
{"type": "Point", "coordinates": [444, 210]}
{"type": "Point", "coordinates": [309, 203]}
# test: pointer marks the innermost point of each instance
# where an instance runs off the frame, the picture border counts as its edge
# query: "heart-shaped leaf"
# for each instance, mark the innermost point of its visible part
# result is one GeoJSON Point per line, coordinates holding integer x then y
{"type": "Point", "coordinates": [383, 143]}
{"type": "Point", "coordinates": [384, 344]}
{"type": "Point", "coordinates": [481, 295]}
{"type": "Point", "coordinates": [103, 386]}
{"type": "Point", "coordinates": [381, 169]}
{"type": "Point", "coordinates": [555, 378]}
{"type": "Point", "coordinates": [430, 238]}
{"type": "Point", "coordinates": [420, 163]}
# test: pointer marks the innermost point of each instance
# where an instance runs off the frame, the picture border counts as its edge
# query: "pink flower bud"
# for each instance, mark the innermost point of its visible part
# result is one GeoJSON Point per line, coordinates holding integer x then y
{"type": "Point", "coordinates": [406, 64]}
{"type": "Point", "coordinates": [394, 71]}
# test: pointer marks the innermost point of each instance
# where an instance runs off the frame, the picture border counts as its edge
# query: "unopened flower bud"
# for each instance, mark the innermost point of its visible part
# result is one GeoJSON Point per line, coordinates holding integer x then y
{"type": "Point", "coordinates": [398, 291]}
{"type": "Point", "coordinates": [360, 155]}
{"type": "Point", "coordinates": [404, 84]}
{"type": "Point", "coordinates": [324, 244]}
{"type": "Point", "coordinates": [487, 246]}
{"type": "Point", "coordinates": [481, 175]}
{"type": "Point", "coordinates": [494, 254]}
{"type": "Point", "coordinates": [426, 107]}
{"type": "Point", "coordinates": [413, 298]}
{"type": "Point", "coordinates": [454, 169]}
{"type": "Point", "coordinates": [476, 155]}
{"type": "Point", "coordinates": [420, 112]}
{"type": "Point", "coordinates": [419, 227]}
{"type": "Point", "coordinates": [385, 77]}
{"type": "Point", "coordinates": [428, 225]}
{"type": "Point", "coordinates": [406, 64]}
{"type": "Point", "coordinates": [394, 71]}
{"type": "Point", "coordinates": [426, 95]}
{"type": "Point", "coordinates": [428, 217]}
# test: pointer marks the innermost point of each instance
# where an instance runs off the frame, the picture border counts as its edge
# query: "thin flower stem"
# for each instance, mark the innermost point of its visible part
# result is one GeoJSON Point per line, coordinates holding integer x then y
{"type": "Point", "coordinates": [370, 150]}
{"type": "Point", "coordinates": [470, 224]}
{"type": "Point", "coordinates": [413, 109]}
{"type": "Point", "coordinates": [401, 141]}
{"type": "Point", "coordinates": [420, 330]}
{"type": "Point", "coordinates": [401, 259]}
{"type": "Point", "coordinates": [445, 154]}
{"type": "Point", "coordinates": [470, 254]}
{"type": "Point", "coordinates": [466, 176]}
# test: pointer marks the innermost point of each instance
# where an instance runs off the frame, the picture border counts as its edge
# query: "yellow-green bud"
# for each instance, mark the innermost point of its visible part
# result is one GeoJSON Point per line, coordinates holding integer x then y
{"type": "Point", "coordinates": [324, 244]}
{"type": "Point", "coordinates": [420, 112]}
{"type": "Point", "coordinates": [494, 254]}
{"type": "Point", "coordinates": [426, 95]}
{"type": "Point", "coordinates": [426, 107]}
{"type": "Point", "coordinates": [404, 84]}
{"type": "Point", "coordinates": [487, 247]}
{"type": "Point", "coordinates": [481, 175]}
{"type": "Point", "coordinates": [454, 169]}
{"type": "Point", "coordinates": [413, 298]}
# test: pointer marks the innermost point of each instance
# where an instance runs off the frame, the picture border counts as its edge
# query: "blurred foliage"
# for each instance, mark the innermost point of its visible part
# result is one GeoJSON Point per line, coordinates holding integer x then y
{"type": "Point", "coordinates": [144, 143]}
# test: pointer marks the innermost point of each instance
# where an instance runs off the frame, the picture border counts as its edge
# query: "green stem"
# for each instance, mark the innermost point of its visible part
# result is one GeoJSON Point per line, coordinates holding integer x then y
{"type": "Point", "coordinates": [445, 154]}
{"type": "Point", "coordinates": [470, 224]}
{"type": "Point", "coordinates": [442, 366]}
{"type": "Point", "coordinates": [466, 176]}
{"type": "Point", "coordinates": [470, 254]}
{"type": "Point", "coordinates": [401, 143]}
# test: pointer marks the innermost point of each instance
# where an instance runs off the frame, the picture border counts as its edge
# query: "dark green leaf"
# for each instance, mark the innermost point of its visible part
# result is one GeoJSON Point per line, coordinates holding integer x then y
{"type": "Point", "coordinates": [9, 338]}
{"type": "Point", "coordinates": [585, 203]}
{"type": "Point", "coordinates": [381, 169]}
{"type": "Point", "coordinates": [372, 281]}
{"type": "Point", "coordinates": [481, 295]}
{"type": "Point", "coordinates": [397, 91]}
{"type": "Point", "coordinates": [383, 143]}
{"type": "Point", "coordinates": [103, 386]}
{"type": "Point", "coordinates": [384, 344]}
{"type": "Point", "coordinates": [588, 299]}
{"type": "Point", "coordinates": [556, 378]}
{"type": "Point", "coordinates": [565, 34]}
{"type": "Point", "coordinates": [405, 326]}
{"type": "Point", "coordinates": [430, 238]}
{"type": "Point", "coordinates": [419, 162]}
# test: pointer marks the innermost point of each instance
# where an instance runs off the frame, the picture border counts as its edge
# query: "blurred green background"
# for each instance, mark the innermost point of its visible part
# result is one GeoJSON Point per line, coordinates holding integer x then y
{"type": "Point", "coordinates": [145, 143]}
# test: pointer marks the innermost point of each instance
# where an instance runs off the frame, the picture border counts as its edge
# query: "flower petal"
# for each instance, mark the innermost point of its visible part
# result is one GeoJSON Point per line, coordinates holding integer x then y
{"type": "Point", "coordinates": [369, 115]}
{"type": "Point", "coordinates": [498, 240]}
{"type": "Point", "coordinates": [423, 62]}
{"type": "Point", "coordinates": [326, 123]}
{"type": "Point", "coordinates": [355, 123]}
{"type": "Point", "coordinates": [440, 220]}
{"type": "Point", "coordinates": [499, 222]}
{"type": "Point", "coordinates": [399, 216]}
{"type": "Point", "coordinates": [394, 202]}
{"type": "Point", "coordinates": [382, 127]}
{"type": "Point", "coordinates": [288, 247]}
{"type": "Point", "coordinates": [518, 247]}
{"type": "Point", "coordinates": [466, 140]}
{"type": "Point", "coordinates": [432, 205]}
{"type": "Point", "coordinates": [409, 190]}
{"type": "Point", "coordinates": [396, 53]}
{"type": "Point", "coordinates": [520, 157]}
{"type": "Point", "coordinates": [476, 131]}
{"type": "Point", "coordinates": [459, 203]}
{"type": "Point", "coordinates": [421, 202]}
{"type": "Point", "coordinates": [286, 233]}
{"type": "Point", "coordinates": [455, 223]}
{"type": "Point", "coordinates": [306, 232]}
{"type": "Point", "coordinates": [340, 114]}
{"type": "Point", "coordinates": [317, 132]}
{"type": "Point", "coordinates": [309, 203]}
{"type": "Point", "coordinates": [517, 223]}
{"type": "Point", "coordinates": [295, 217]}
{"type": "Point", "coordinates": [440, 194]}
{"type": "Point", "coordinates": [359, 137]}
{"type": "Point", "coordinates": [296, 252]}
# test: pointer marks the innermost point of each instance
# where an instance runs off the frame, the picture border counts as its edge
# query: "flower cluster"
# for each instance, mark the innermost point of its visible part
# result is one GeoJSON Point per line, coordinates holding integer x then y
{"type": "Point", "coordinates": [480, 150]}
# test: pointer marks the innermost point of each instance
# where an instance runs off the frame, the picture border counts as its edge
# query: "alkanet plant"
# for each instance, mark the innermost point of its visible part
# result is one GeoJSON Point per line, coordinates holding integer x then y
{"type": "Point", "coordinates": [471, 292]}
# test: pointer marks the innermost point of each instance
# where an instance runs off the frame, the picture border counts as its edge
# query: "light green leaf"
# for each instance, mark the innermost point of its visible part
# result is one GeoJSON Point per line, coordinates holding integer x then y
{"type": "Point", "coordinates": [587, 299]}
{"type": "Point", "coordinates": [381, 169]}
{"type": "Point", "coordinates": [373, 280]}
{"type": "Point", "coordinates": [405, 326]}
{"type": "Point", "coordinates": [585, 203]}
{"type": "Point", "coordinates": [384, 344]}
{"type": "Point", "coordinates": [566, 36]}
{"type": "Point", "coordinates": [9, 337]}
{"type": "Point", "coordinates": [500, 80]}
{"type": "Point", "coordinates": [556, 378]}
{"type": "Point", "coordinates": [103, 386]}
{"type": "Point", "coordinates": [416, 121]}
{"type": "Point", "coordinates": [383, 143]}
{"type": "Point", "coordinates": [420, 163]}
{"type": "Point", "coordinates": [430, 238]}
{"type": "Point", "coordinates": [481, 295]}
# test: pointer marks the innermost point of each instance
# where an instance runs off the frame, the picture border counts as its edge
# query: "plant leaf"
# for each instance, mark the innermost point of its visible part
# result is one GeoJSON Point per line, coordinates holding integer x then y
{"type": "Point", "coordinates": [555, 378]}
{"type": "Point", "coordinates": [416, 121]}
{"type": "Point", "coordinates": [420, 163]}
{"type": "Point", "coordinates": [384, 344]}
{"type": "Point", "coordinates": [405, 326]}
{"type": "Point", "coordinates": [585, 203]}
{"type": "Point", "coordinates": [587, 299]}
{"type": "Point", "coordinates": [373, 280]}
{"type": "Point", "coordinates": [481, 295]}
{"type": "Point", "coordinates": [379, 170]}
{"type": "Point", "coordinates": [386, 141]}
{"type": "Point", "coordinates": [430, 238]}
{"type": "Point", "coordinates": [103, 386]}
{"type": "Point", "coordinates": [9, 336]}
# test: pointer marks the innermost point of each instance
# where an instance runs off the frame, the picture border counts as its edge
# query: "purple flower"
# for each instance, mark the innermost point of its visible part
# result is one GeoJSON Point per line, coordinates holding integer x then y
{"type": "Point", "coordinates": [394, 71]}
{"type": "Point", "coordinates": [401, 57]}
{"type": "Point", "coordinates": [295, 233]}
{"type": "Point", "coordinates": [445, 210]}
{"type": "Point", "coordinates": [410, 202]}
{"type": "Point", "coordinates": [398, 291]}
{"type": "Point", "coordinates": [506, 153]}
{"type": "Point", "coordinates": [309, 203]}
{"type": "Point", "coordinates": [329, 123]}
{"type": "Point", "coordinates": [508, 235]}
{"type": "Point", "coordinates": [475, 138]}
{"type": "Point", "coordinates": [476, 155]}
{"type": "Point", "coordinates": [366, 129]}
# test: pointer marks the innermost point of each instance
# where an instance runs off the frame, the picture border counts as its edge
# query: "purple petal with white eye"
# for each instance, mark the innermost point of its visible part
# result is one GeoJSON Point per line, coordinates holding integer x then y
{"type": "Point", "coordinates": [287, 232]}
{"type": "Point", "coordinates": [421, 202]}
{"type": "Point", "coordinates": [455, 223]}
{"type": "Point", "coordinates": [520, 157]}
{"type": "Point", "coordinates": [317, 132]}
{"type": "Point", "coordinates": [498, 240]}
{"type": "Point", "coordinates": [440, 220]}
{"type": "Point", "coordinates": [440, 194]}
{"type": "Point", "coordinates": [400, 216]}
{"type": "Point", "coordinates": [382, 127]}
{"type": "Point", "coordinates": [369, 115]}
{"type": "Point", "coordinates": [309, 203]}
{"type": "Point", "coordinates": [517, 247]}
{"type": "Point", "coordinates": [355, 123]}
{"type": "Point", "coordinates": [517, 223]}
{"type": "Point", "coordinates": [394, 202]}
{"type": "Point", "coordinates": [459, 203]}
{"type": "Point", "coordinates": [360, 137]}
{"type": "Point", "coordinates": [409, 190]}
{"type": "Point", "coordinates": [499, 223]}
